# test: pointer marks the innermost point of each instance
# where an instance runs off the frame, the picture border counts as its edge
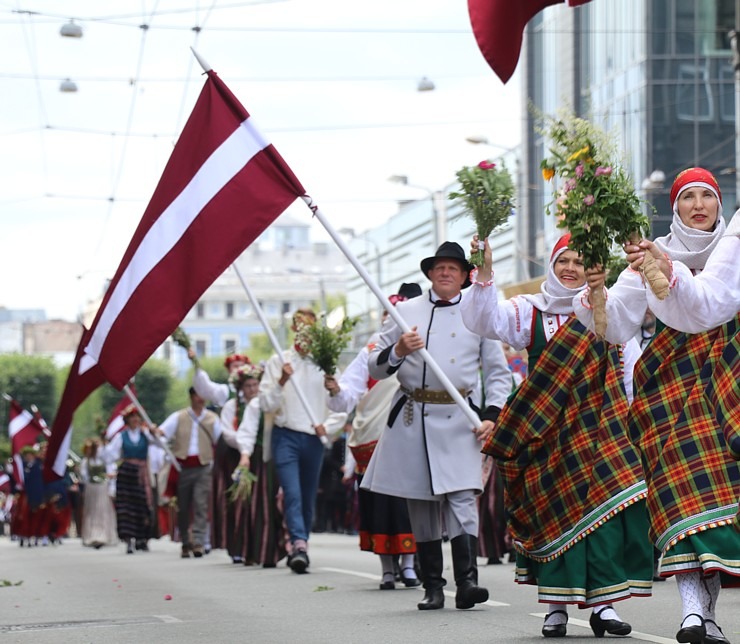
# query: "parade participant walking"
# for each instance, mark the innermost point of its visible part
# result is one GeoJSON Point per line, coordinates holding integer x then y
{"type": "Point", "coordinates": [228, 522]}
{"type": "Point", "coordinates": [296, 444]}
{"type": "Point", "coordinates": [429, 454]}
{"type": "Point", "coordinates": [98, 514]}
{"type": "Point", "coordinates": [574, 487]}
{"type": "Point", "coordinates": [193, 432]}
{"type": "Point", "coordinates": [385, 528]}
{"type": "Point", "coordinates": [134, 502]}
{"type": "Point", "coordinates": [265, 537]}
{"type": "Point", "coordinates": [692, 479]}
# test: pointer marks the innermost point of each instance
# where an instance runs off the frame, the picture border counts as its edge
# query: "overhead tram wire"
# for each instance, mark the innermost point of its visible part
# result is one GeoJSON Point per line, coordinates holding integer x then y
{"type": "Point", "coordinates": [29, 37]}
{"type": "Point", "coordinates": [189, 72]}
{"type": "Point", "coordinates": [116, 180]}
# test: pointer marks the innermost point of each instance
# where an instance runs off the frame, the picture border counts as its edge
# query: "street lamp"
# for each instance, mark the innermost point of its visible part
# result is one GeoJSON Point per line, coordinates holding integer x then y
{"type": "Point", "coordinates": [425, 85]}
{"type": "Point", "coordinates": [439, 206]}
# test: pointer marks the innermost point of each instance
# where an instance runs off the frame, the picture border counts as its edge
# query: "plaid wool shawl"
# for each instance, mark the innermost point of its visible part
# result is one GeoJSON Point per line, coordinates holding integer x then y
{"type": "Point", "coordinates": [562, 447]}
{"type": "Point", "coordinates": [684, 382]}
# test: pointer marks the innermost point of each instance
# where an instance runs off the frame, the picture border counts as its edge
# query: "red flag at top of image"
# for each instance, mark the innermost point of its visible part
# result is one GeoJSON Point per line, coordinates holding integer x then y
{"type": "Point", "coordinates": [223, 185]}
{"type": "Point", "coordinates": [498, 26]}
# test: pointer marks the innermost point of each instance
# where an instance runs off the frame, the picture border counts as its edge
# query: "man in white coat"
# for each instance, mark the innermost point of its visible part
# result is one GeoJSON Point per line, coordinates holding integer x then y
{"type": "Point", "coordinates": [429, 454]}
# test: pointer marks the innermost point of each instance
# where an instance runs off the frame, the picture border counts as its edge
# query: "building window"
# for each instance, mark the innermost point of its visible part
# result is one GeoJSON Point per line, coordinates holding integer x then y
{"type": "Point", "coordinates": [229, 310]}
{"type": "Point", "coordinates": [167, 350]}
{"type": "Point", "coordinates": [694, 100]}
{"type": "Point", "coordinates": [229, 346]}
{"type": "Point", "coordinates": [201, 348]}
{"type": "Point", "coordinates": [200, 310]}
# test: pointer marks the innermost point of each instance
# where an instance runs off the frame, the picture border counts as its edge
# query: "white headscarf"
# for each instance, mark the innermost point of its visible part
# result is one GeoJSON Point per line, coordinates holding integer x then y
{"type": "Point", "coordinates": [554, 297]}
{"type": "Point", "coordinates": [687, 245]}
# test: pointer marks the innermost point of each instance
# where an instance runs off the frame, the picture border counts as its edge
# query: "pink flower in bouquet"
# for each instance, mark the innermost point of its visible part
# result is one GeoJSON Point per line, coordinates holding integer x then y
{"type": "Point", "coordinates": [589, 200]}
{"type": "Point", "coordinates": [579, 170]}
{"type": "Point", "coordinates": [569, 185]}
{"type": "Point", "coordinates": [486, 165]}
{"type": "Point", "coordinates": [602, 171]}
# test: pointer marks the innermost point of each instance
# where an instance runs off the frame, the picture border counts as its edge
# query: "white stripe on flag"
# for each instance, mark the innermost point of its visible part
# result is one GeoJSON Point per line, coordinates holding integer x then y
{"type": "Point", "coordinates": [60, 462]}
{"type": "Point", "coordinates": [21, 421]}
{"type": "Point", "coordinates": [220, 168]}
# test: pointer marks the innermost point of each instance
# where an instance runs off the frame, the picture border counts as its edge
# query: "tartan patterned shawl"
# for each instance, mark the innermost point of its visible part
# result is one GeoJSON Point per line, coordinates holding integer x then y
{"type": "Point", "coordinates": [562, 447]}
{"type": "Point", "coordinates": [682, 385]}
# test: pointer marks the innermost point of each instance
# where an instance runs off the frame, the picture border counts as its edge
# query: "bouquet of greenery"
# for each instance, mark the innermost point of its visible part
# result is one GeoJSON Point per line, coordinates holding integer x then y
{"type": "Point", "coordinates": [241, 488]}
{"type": "Point", "coordinates": [324, 345]}
{"type": "Point", "coordinates": [182, 339]}
{"type": "Point", "coordinates": [596, 201]}
{"type": "Point", "coordinates": [486, 194]}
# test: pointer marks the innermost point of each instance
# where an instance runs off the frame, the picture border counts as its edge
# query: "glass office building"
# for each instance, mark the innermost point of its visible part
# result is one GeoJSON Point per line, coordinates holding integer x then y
{"type": "Point", "coordinates": [656, 73]}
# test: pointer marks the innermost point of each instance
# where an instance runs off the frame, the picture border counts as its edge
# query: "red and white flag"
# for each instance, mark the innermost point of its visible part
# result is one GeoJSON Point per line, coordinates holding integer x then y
{"type": "Point", "coordinates": [223, 185]}
{"type": "Point", "coordinates": [115, 422]}
{"type": "Point", "coordinates": [4, 483]}
{"type": "Point", "coordinates": [498, 26]}
{"type": "Point", "coordinates": [24, 431]}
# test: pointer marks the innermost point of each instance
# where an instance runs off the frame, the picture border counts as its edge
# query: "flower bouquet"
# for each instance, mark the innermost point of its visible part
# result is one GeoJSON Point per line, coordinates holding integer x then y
{"type": "Point", "coordinates": [182, 339]}
{"type": "Point", "coordinates": [596, 202]}
{"type": "Point", "coordinates": [486, 194]}
{"type": "Point", "coordinates": [241, 488]}
{"type": "Point", "coordinates": [324, 345]}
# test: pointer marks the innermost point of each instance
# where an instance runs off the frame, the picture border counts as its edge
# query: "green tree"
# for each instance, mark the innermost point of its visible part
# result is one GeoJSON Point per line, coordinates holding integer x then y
{"type": "Point", "coordinates": [31, 380]}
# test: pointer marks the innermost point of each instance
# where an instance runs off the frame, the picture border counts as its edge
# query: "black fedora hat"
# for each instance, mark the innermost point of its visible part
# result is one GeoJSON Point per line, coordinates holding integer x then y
{"type": "Point", "coordinates": [410, 290]}
{"type": "Point", "coordinates": [448, 250]}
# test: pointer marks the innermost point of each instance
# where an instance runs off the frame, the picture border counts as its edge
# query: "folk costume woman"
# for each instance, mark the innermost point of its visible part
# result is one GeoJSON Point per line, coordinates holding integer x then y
{"type": "Point", "coordinates": [98, 514]}
{"type": "Point", "coordinates": [266, 537]}
{"type": "Point", "coordinates": [574, 486]}
{"type": "Point", "coordinates": [692, 479]}
{"type": "Point", "coordinates": [134, 499]}
{"type": "Point", "coordinates": [385, 528]}
{"type": "Point", "coordinates": [228, 530]}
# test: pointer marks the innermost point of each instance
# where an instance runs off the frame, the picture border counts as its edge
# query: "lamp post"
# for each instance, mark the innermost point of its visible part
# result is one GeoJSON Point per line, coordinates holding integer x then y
{"type": "Point", "coordinates": [439, 207]}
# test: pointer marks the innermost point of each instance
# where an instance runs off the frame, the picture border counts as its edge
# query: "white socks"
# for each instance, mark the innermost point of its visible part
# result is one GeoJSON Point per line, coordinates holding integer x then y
{"type": "Point", "coordinates": [407, 567]}
{"type": "Point", "coordinates": [691, 589]}
{"type": "Point", "coordinates": [557, 617]}
{"type": "Point", "coordinates": [606, 612]}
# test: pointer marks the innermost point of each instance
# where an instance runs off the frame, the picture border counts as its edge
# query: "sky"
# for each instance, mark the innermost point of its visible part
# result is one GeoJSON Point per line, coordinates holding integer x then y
{"type": "Point", "coordinates": [331, 83]}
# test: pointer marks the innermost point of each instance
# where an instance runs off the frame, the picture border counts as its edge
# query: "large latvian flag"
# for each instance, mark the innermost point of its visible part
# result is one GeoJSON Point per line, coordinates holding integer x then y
{"type": "Point", "coordinates": [222, 186]}
{"type": "Point", "coordinates": [23, 430]}
{"type": "Point", "coordinates": [498, 26]}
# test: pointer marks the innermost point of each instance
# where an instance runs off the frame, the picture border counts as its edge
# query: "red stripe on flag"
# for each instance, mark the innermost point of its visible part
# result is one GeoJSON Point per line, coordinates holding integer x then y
{"type": "Point", "coordinates": [222, 187]}
{"type": "Point", "coordinates": [498, 26]}
{"type": "Point", "coordinates": [24, 431]}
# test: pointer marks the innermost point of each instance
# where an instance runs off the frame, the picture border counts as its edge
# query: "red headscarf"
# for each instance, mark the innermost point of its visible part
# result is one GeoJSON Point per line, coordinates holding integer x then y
{"type": "Point", "coordinates": [694, 177]}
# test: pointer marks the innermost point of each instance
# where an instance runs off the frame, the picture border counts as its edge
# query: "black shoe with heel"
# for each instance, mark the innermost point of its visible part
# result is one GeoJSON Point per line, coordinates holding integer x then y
{"type": "Point", "coordinates": [715, 639]}
{"type": "Point", "coordinates": [410, 582]}
{"type": "Point", "coordinates": [612, 626]}
{"type": "Point", "coordinates": [555, 630]}
{"type": "Point", "coordinates": [692, 634]}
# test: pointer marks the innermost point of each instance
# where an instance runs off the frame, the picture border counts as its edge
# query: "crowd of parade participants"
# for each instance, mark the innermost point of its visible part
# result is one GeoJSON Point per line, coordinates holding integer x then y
{"type": "Point", "coordinates": [598, 466]}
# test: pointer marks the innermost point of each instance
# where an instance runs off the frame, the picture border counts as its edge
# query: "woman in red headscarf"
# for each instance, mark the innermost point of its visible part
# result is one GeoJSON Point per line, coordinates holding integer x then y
{"type": "Point", "coordinates": [573, 482]}
{"type": "Point", "coordinates": [691, 477]}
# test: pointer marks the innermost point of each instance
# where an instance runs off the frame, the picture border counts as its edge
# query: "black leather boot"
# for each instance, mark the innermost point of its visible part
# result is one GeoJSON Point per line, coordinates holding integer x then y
{"type": "Point", "coordinates": [430, 562]}
{"type": "Point", "coordinates": [464, 553]}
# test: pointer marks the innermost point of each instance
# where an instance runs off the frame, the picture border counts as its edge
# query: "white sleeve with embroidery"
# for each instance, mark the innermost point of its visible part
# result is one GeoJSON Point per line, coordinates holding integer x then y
{"type": "Point", "coordinates": [701, 302]}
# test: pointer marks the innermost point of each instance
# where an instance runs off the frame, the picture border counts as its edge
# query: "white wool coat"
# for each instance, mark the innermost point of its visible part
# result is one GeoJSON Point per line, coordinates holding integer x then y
{"type": "Point", "coordinates": [438, 452]}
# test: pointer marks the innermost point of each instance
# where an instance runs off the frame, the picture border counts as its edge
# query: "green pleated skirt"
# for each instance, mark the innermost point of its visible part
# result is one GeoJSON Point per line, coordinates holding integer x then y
{"type": "Point", "coordinates": [612, 563]}
{"type": "Point", "coordinates": [708, 551]}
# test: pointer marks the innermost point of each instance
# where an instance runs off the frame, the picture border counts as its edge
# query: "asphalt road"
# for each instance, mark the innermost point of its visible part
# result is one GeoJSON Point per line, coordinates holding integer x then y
{"type": "Point", "coordinates": [69, 593]}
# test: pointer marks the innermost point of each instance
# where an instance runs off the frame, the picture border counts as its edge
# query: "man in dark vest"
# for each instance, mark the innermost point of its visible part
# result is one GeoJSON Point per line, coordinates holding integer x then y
{"type": "Point", "coordinates": [193, 432]}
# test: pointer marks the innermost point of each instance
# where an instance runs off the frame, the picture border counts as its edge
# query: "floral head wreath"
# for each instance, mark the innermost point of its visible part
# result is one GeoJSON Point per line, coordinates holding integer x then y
{"type": "Point", "coordinates": [245, 372]}
{"type": "Point", "coordinates": [235, 357]}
